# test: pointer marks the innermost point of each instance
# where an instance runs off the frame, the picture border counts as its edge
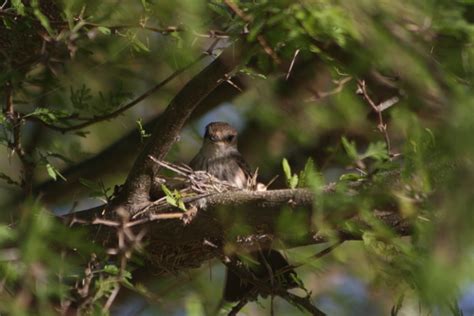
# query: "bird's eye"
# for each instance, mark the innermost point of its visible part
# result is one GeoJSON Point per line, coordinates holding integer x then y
{"type": "Point", "coordinates": [230, 138]}
{"type": "Point", "coordinates": [213, 138]}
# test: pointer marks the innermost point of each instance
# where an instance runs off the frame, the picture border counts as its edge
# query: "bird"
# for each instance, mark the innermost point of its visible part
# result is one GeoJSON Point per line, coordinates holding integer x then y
{"type": "Point", "coordinates": [220, 157]}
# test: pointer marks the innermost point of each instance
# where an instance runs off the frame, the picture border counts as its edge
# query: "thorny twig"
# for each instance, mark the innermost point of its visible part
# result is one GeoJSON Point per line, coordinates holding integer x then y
{"type": "Point", "coordinates": [262, 287]}
{"type": "Point", "coordinates": [192, 186]}
{"type": "Point", "coordinates": [260, 38]}
{"type": "Point", "coordinates": [163, 31]}
{"type": "Point", "coordinates": [316, 256]}
{"type": "Point", "coordinates": [99, 118]}
{"type": "Point", "coordinates": [236, 309]}
{"type": "Point", "coordinates": [319, 95]}
{"type": "Point", "coordinates": [127, 243]}
{"type": "Point", "coordinates": [108, 116]}
{"type": "Point", "coordinates": [301, 302]}
{"type": "Point", "coordinates": [83, 286]}
{"type": "Point", "coordinates": [15, 143]}
{"type": "Point", "coordinates": [378, 109]}
{"type": "Point", "coordinates": [296, 300]}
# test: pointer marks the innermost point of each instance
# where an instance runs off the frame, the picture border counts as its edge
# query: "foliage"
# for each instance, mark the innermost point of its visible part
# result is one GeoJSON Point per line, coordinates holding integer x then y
{"type": "Point", "coordinates": [373, 97]}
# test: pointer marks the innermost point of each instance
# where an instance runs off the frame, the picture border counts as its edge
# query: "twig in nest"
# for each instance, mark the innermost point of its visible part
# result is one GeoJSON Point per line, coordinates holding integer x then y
{"type": "Point", "coordinates": [191, 186]}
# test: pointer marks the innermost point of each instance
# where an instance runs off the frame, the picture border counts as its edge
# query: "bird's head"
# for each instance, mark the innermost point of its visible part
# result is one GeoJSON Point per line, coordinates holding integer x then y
{"type": "Point", "coordinates": [220, 137]}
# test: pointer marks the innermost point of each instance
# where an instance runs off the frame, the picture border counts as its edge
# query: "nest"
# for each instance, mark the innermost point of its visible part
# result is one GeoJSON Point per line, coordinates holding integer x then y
{"type": "Point", "coordinates": [174, 259]}
{"type": "Point", "coordinates": [191, 187]}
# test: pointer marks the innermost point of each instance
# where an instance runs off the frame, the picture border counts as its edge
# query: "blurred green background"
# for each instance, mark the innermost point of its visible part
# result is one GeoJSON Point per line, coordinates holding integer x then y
{"type": "Point", "coordinates": [295, 95]}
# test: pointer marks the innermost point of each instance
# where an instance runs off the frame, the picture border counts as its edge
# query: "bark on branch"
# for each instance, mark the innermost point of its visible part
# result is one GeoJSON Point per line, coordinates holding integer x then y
{"type": "Point", "coordinates": [176, 241]}
{"type": "Point", "coordinates": [137, 187]}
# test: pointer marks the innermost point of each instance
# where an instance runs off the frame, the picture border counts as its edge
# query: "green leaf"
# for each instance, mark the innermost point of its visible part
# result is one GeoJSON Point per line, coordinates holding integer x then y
{"type": "Point", "coordinates": [81, 97]}
{"type": "Point", "coordinates": [174, 198]}
{"type": "Point", "coordinates": [97, 189]}
{"type": "Point", "coordinates": [104, 30]}
{"type": "Point", "coordinates": [307, 173]}
{"type": "Point", "coordinates": [170, 199]}
{"type": "Point", "coordinates": [179, 200]}
{"type": "Point", "coordinates": [139, 46]}
{"type": "Point", "coordinates": [220, 9]}
{"type": "Point", "coordinates": [286, 169]}
{"type": "Point", "coordinates": [41, 17]}
{"type": "Point", "coordinates": [181, 205]}
{"type": "Point", "coordinates": [53, 172]}
{"type": "Point", "coordinates": [252, 73]}
{"type": "Point", "coordinates": [166, 190]}
{"type": "Point", "coordinates": [351, 177]}
{"type": "Point", "coordinates": [48, 115]}
{"type": "Point", "coordinates": [141, 130]}
{"type": "Point", "coordinates": [350, 148]}
{"type": "Point", "coordinates": [298, 281]}
{"type": "Point", "coordinates": [256, 28]}
{"type": "Point", "coordinates": [293, 183]}
{"type": "Point", "coordinates": [19, 6]}
{"type": "Point", "coordinates": [377, 151]}
{"type": "Point", "coordinates": [112, 100]}
{"type": "Point", "coordinates": [6, 233]}
{"type": "Point", "coordinates": [291, 179]}
{"type": "Point", "coordinates": [111, 269]}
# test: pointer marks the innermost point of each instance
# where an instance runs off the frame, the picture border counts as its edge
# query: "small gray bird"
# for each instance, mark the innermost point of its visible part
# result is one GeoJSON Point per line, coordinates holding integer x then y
{"type": "Point", "coordinates": [220, 157]}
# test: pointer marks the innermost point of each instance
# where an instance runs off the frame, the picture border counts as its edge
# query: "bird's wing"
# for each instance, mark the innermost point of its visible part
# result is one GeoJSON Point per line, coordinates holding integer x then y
{"type": "Point", "coordinates": [242, 164]}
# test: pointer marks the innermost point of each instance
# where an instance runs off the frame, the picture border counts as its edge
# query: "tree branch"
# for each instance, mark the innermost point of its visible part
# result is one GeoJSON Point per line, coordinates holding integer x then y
{"type": "Point", "coordinates": [173, 245]}
{"type": "Point", "coordinates": [122, 151]}
{"type": "Point", "coordinates": [117, 112]}
{"type": "Point", "coordinates": [137, 187]}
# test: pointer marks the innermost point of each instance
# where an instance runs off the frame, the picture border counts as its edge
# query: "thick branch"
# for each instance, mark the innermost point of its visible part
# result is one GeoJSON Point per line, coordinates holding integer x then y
{"type": "Point", "coordinates": [181, 242]}
{"type": "Point", "coordinates": [123, 151]}
{"type": "Point", "coordinates": [137, 187]}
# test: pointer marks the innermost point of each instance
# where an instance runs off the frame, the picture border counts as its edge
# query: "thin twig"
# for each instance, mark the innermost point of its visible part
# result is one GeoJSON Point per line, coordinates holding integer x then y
{"type": "Point", "coordinates": [327, 250]}
{"type": "Point", "coordinates": [262, 287]}
{"type": "Point", "coordinates": [111, 298]}
{"type": "Point", "coordinates": [317, 95]}
{"type": "Point", "coordinates": [163, 31]}
{"type": "Point", "coordinates": [236, 309]}
{"type": "Point", "coordinates": [122, 109]}
{"type": "Point", "coordinates": [303, 302]}
{"type": "Point", "coordinates": [260, 38]}
{"type": "Point", "coordinates": [382, 126]}
{"type": "Point", "coordinates": [292, 63]}
{"type": "Point", "coordinates": [15, 144]}
{"type": "Point", "coordinates": [8, 98]}
{"type": "Point", "coordinates": [316, 256]}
